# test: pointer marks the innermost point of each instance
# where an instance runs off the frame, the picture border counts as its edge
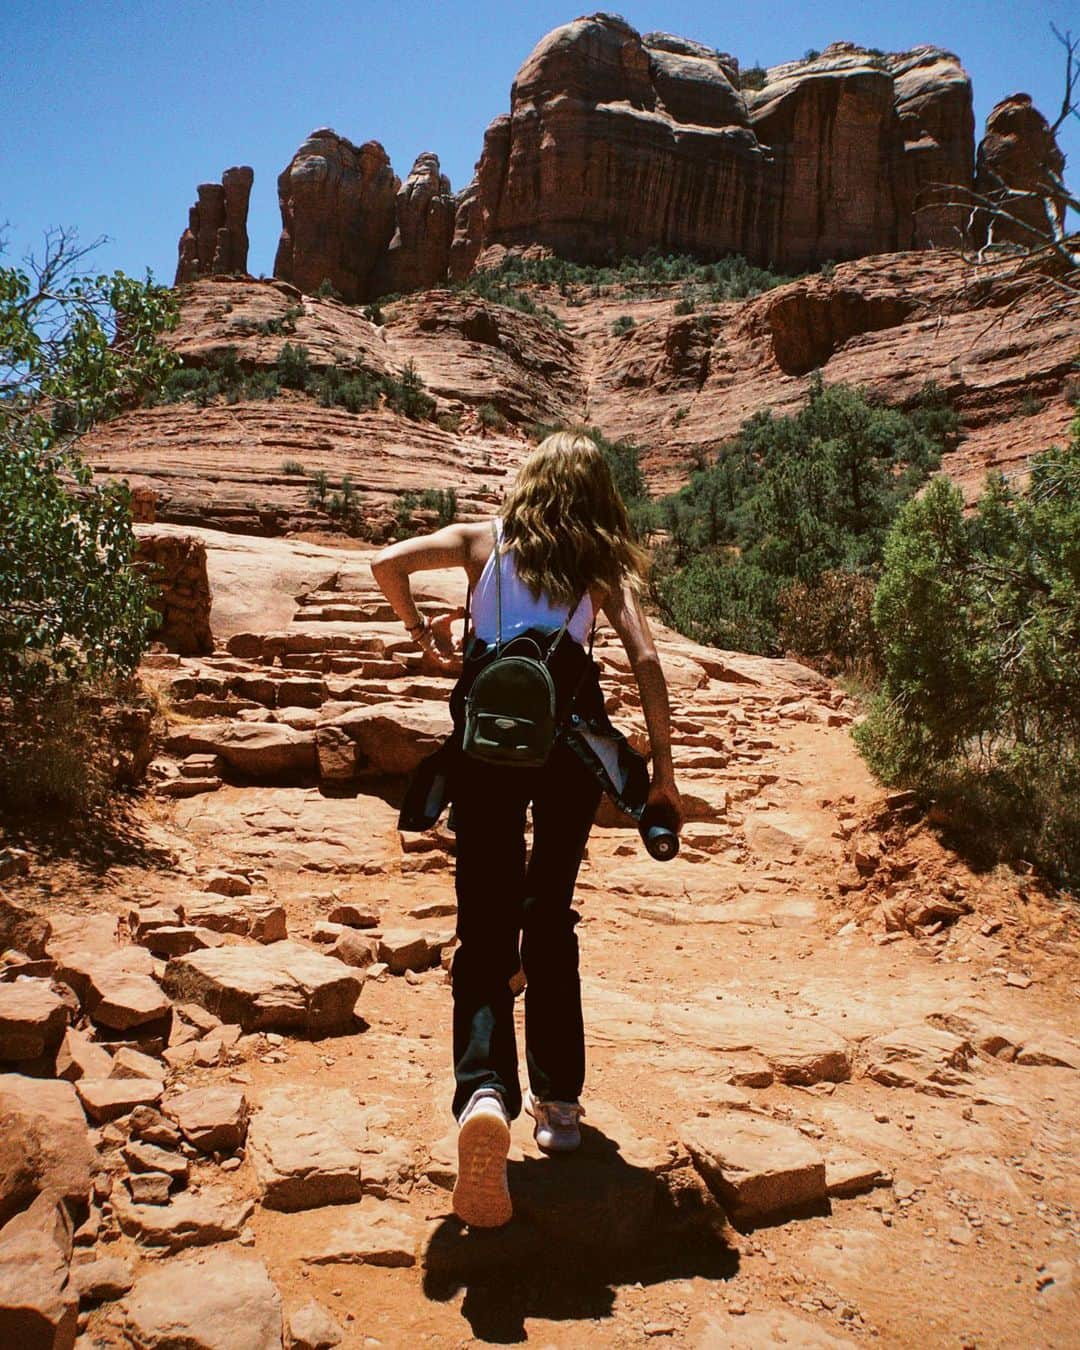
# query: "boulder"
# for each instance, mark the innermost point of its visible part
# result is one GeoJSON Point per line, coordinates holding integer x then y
{"type": "Point", "coordinates": [79, 1057]}
{"type": "Point", "coordinates": [116, 988]}
{"type": "Point", "coordinates": [393, 738]}
{"type": "Point", "coordinates": [33, 1018]}
{"type": "Point", "coordinates": [211, 1119]}
{"type": "Point", "coordinates": [285, 986]}
{"type": "Point", "coordinates": [38, 1306]}
{"type": "Point", "coordinates": [22, 931]}
{"type": "Point", "coordinates": [404, 950]}
{"type": "Point", "coordinates": [920, 1056]}
{"type": "Point", "coordinates": [312, 1328]}
{"type": "Point", "coordinates": [44, 1144]}
{"type": "Point", "coordinates": [221, 1301]}
{"type": "Point", "coordinates": [102, 1280]}
{"type": "Point", "coordinates": [754, 1166]}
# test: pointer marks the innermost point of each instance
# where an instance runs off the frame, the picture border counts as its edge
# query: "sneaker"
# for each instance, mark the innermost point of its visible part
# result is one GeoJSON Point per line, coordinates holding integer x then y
{"type": "Point", "coordinates": [481, 1196]}
{"type": "Point", "coordinates": [557, 1127]}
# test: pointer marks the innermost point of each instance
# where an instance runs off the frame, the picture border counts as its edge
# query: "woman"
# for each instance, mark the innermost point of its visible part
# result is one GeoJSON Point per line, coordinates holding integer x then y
{"type": "Point", "coordinates": [565, 552]}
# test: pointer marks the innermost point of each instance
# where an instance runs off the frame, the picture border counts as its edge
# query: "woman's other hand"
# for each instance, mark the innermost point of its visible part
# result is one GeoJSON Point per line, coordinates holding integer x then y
{"type": "Point", "coordinates": [665, 804]}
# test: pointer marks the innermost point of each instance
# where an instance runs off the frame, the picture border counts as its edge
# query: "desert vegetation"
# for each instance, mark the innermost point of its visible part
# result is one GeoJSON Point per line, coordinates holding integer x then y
{"type": "Point", "coordinates": [75, 349]}
{"type": "Point", "coordinates": [354, 389]}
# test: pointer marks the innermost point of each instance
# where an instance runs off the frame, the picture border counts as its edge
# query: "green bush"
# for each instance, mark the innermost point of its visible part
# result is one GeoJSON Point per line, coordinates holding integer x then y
{"type": "Point", "coordinates": [684, 306]}
{"type": "Point", "coordinates": [979, 622]}
{"type": "Point", "coordinates": [407, 395]}
{"type": "Point", "coordinates": [753, 77]}
{"type": "Point", "coordinates": [623, 325]}
{"type": "Point", "coordinates": [491, 419]}
{"type": "Point", "coordinates": [443, 501]}
{"type": "Point", "coordinates": [221, 377]}
{"type": "Point", "coordinates": [790, 499]}
{"type": "Point", "coordinates": [75, 350]}
{"type": "Point", "coordinates": [294, 367]}
{"type": "Point", "coordinates": [326, 290]}
{"type": "Point", "coordinates": [293, 467]}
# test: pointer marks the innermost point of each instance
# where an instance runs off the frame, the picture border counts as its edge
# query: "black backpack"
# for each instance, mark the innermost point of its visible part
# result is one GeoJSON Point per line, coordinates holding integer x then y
{"type": "Point", "coordinates": [511, 707]}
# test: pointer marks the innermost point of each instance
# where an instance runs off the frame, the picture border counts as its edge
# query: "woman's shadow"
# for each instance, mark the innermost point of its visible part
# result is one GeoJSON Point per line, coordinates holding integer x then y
{"type": "Point", "coordinates": [584, 1223]}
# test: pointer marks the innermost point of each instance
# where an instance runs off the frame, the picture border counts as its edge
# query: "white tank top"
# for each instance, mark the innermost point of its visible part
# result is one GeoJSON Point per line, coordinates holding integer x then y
{"type": "Point", "coordinates": [519, 609]}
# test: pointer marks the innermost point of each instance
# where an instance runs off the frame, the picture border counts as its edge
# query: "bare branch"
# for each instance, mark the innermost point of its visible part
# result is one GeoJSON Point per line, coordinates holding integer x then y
{"type": "Point", "coordinates": [1072, 74]}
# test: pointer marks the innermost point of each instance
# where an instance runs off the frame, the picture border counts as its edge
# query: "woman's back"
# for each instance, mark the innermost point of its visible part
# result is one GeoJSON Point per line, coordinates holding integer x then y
{"type": "Point", "coordinates": [520, 609]}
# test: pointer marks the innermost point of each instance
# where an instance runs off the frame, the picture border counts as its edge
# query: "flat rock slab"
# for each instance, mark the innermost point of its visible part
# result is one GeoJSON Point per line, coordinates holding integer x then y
{"type": "Point", "coordinates": [920, 1056]}
{"type": "Point", "coordinates": [44, 1143]}
{"type": "Point", "coordinates": [311, 1148]}
{"type": "Point", "coordinates": [32, 1020]}
{"type": "Point", "coordinates": [376, 1233]}
{"type": "Point", "coordinates": [109, 1098]}
{"type": "Point", "coordinates": [263, 751]}
{"type": "Point", "coordinates": [211, 1119]}
{"type": "Point", "coordinates": [284, 985]}
{"type": "Point", "coordinates": [188, 1220]}
{"type": "Point", "coordinates": [756, 1167]}
{"type": "Point", "coordinates": [116, 989]}
{"type": "Point", "coordinates": [217, 1302]}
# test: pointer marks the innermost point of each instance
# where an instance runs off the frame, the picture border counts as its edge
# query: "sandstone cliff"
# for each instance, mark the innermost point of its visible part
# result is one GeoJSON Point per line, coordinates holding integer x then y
{"type": "Point", "coordinates": [617, 143]}
{"type": "Point", "coordinates": [216, 241]}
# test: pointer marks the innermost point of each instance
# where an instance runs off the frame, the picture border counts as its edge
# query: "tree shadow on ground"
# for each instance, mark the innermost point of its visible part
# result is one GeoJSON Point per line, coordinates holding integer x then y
{"type": "Point", "coordinates": [116, 834]}
{"type": "Point", "coordinates": [584, 1225]}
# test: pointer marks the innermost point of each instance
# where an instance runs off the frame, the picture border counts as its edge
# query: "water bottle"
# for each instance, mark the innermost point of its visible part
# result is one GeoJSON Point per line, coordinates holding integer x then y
{"type": "Point", "coordinates": [661, 841]}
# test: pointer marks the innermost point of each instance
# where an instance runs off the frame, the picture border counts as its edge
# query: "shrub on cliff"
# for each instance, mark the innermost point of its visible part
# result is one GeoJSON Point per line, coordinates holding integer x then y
{"type": "Point", "coordinates": [789, 500]}
{"type": "Point", "coordinates": [75, 349]}
{"type": "Point", "coordinates": [979, 622]}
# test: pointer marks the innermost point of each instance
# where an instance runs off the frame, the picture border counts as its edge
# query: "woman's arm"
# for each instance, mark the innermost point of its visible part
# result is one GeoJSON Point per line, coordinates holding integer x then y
{"type": "Point", "coordinates": [628, 619]}
{"type": "Point", "coordinates": [451, 546]}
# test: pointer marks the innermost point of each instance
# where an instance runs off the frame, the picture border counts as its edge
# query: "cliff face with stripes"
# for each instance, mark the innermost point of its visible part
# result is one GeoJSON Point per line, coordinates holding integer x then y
{"type": "Point", "coordinates": [616, 144]}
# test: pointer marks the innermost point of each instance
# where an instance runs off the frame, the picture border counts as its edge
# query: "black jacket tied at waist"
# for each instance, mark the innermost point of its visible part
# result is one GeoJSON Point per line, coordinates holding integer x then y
{"type": "Point", "coordinates": [583, 726]}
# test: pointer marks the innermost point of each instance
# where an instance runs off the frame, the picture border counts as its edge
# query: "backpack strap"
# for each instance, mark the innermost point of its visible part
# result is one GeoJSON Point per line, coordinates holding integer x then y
{"type": "Point", "coordinates": [498, 589]}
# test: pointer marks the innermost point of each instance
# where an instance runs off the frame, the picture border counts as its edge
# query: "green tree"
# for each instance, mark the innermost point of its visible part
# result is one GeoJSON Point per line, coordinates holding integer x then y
{"type": "Point", "coordinates": [75, 349]}
{"type": "Point", "coordinates": [979, 621]}
{"type": "Point", "coordinates": [791, 500]}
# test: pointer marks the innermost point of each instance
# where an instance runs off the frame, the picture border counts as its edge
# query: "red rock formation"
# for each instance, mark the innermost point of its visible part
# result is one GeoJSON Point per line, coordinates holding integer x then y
{"type": "Point", "coordinates": [831, 128]}
{"type": "Point", "coordinates": [937, 128]}
{"type": "Point", "coordinates": [338, 204]}
{"type": "Point", "coordinates": [215, 241]}
{"type": "Point", "coordinates": [601, 118]}
{"type": "Point", "coordinates": [419, 252]}
{"type": "Point", "coordinates": [832, 158]}
{"type": "Point", "coordinates": [1019, 154]}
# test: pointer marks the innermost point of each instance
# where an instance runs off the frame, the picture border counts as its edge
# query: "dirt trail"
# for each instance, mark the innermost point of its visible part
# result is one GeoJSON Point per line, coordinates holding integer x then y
{"type": "Point", "coordinates": [814, 965]}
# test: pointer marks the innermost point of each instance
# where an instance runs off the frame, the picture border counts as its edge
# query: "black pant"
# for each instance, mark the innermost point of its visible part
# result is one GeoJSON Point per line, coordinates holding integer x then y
{"type": "Point", "coordinates": [512, 912]}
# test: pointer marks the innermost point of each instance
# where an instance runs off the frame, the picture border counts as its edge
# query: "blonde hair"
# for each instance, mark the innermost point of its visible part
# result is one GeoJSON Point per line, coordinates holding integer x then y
{"type": "Point", "coordinates": [567, 524]}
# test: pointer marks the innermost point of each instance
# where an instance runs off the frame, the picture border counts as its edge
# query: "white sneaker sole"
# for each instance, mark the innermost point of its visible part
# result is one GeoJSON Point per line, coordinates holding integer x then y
{"type": "Point", "coordinates": [481, 1195]}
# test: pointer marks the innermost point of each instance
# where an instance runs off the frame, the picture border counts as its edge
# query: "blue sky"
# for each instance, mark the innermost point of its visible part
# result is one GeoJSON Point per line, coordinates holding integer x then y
{"type": "Point", "coordinates": [113, 110]}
